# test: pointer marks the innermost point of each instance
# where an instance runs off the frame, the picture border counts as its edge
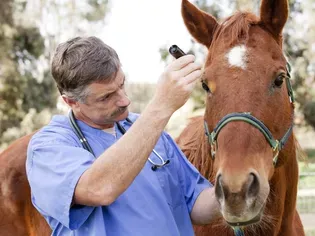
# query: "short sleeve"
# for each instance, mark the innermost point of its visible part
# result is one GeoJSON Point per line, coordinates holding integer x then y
{"type": "Point", "coordinates": [53, 170]}
{"type": "Point", "coordinates": [192, 182]}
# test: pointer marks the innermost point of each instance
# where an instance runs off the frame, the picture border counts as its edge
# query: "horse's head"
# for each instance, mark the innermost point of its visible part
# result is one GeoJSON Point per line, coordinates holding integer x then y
{"type": "Point", "coordinates": [248, 107]}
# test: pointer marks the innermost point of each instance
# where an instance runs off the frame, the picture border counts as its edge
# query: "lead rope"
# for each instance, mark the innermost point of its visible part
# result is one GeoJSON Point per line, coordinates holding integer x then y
{"type": "Point", "coordinates": [238, 231]}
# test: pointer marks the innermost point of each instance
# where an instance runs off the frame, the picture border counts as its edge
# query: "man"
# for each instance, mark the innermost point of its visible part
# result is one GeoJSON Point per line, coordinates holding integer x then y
{"type": "Point", "coordinates": [115, 191]}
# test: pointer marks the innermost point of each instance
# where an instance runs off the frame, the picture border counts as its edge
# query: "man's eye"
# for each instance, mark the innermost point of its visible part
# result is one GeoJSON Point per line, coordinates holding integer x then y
{"type": "Point", "coordinates": [104, 98]}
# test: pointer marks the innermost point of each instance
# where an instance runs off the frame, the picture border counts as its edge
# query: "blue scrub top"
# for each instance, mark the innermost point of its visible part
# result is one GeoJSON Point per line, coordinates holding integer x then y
{"type": "Point", "coordinates": [156, 203]}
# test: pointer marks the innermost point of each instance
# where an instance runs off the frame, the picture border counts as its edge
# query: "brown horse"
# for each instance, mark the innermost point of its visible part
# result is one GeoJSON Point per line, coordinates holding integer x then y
{"type": "Point", "coordinates": [18, 217]}
{"type": "Point", "coordinates": [250, 151]}
{"type": "Point", "coordinates": [244, 72]}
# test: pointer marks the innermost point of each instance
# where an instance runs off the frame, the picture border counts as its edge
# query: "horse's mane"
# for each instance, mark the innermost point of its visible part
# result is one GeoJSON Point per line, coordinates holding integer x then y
{"type": "Point", "coordinates": [300, 153]}
{"type": "Point", "coordinates": [234, 29]}
{"type": "Point", "coordinates": [193, 142]}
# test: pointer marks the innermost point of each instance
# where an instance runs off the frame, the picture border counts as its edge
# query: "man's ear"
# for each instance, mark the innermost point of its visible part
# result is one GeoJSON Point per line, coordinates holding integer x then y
{"type": "Point", "coordinates": [71, 102]}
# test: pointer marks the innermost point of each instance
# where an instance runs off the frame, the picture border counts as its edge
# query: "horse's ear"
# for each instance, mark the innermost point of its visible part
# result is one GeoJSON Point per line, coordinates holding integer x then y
{"type": "Point", "coordinates": [200, 24]}
{"type": "Point", "coordinates": [273, 15]}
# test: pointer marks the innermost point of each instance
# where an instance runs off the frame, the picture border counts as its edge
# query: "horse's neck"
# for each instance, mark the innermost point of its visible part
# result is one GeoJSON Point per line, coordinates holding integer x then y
{"type": "Point", "coordinates": [194, 143]}
{"type": "Point", "coordinates": [288, 162]}
{"type": "Point", "coordinates": [283, 187]}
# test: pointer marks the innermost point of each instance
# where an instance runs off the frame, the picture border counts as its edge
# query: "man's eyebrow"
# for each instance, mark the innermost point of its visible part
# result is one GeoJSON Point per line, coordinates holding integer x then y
{"type": "Point", "coordinates": [110, 92]}
{"type": "Point", "coordinates": [104, 94]}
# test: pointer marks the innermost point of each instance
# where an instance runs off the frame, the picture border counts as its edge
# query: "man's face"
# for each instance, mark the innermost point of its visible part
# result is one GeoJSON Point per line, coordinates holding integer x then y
{"type": "Point", "coordinates": [105, 104]}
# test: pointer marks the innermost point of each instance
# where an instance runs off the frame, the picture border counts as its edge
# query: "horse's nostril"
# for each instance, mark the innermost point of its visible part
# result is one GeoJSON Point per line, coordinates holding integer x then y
{"type": "Point", "coordinates": [253, 185]}
{"type": "Point", "coordinates": [218, 187]}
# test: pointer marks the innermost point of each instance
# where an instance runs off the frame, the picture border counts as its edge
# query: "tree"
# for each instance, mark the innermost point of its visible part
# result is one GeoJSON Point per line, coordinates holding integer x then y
{"type": "Point", "coordinates": [28, 95]}
{"type": "Point", "coordinates": [299, 47]}
{"type": "Point", "coordinates": [21, 47]}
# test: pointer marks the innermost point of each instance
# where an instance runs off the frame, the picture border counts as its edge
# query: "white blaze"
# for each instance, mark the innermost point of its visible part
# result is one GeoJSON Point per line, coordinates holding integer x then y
{"type": "Point", "coordinates": [237, 56]}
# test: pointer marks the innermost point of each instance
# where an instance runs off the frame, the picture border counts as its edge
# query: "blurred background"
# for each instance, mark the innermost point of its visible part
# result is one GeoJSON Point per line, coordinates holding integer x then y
{"type": "Point", "coordinates": [141, 32]}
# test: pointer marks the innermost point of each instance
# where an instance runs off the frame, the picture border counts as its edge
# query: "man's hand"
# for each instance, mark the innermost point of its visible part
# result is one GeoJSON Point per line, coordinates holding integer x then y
{"type": "Point", "coordinates": [114, 170]}
{"type": "Point", "coordinates": [176, 83]}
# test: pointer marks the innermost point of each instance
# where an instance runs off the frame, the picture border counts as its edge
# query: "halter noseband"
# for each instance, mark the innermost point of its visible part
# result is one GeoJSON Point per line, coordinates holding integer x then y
{"type": "Point", "coordinates": [276, 145]}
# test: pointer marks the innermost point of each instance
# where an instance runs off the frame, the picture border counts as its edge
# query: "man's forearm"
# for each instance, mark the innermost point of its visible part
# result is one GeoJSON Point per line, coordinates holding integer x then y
{"type": "Point", "coordinates": [113, 172]}
{"type": "Point", "coordinates": [206, 208]}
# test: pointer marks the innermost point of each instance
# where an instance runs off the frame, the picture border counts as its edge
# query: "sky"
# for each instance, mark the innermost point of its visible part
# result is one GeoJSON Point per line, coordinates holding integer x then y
{"type": "Point", "coordinates": [137, 29]}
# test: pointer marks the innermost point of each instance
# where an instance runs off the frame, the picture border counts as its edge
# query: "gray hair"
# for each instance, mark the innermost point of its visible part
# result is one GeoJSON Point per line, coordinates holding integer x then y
{"type": "Point", "coordinates": [80, 62]}
{"type": "Point", "coordinates": [78, 94]}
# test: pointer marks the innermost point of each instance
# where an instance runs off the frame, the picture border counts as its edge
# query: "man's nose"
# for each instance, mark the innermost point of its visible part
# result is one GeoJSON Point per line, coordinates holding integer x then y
{"type": "Point", "coordinates": [123, 100]}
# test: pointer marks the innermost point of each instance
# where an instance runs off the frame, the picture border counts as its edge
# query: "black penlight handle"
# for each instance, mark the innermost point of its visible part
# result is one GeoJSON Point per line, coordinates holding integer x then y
{"type": "Point", "coordinates": [176, 52]}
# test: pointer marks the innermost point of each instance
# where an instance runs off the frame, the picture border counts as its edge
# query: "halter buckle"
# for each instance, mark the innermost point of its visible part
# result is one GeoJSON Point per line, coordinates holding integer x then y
{"type": "Point", "coordinates": [276, 151]}
{"type": "Point", "coordinates": [213, 149]}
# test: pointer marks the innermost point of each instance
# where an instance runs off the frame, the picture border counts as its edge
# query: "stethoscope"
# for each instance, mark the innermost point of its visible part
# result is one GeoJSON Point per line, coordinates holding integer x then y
{"type": "Point", "coordinates": [87, 146]}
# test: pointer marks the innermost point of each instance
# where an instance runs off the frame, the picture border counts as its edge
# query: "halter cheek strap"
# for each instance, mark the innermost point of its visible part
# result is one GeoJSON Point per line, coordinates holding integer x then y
{"type": "Point", "coordinates": [288, 83]}
{"type": "Point", "coordinates": [275, 144]}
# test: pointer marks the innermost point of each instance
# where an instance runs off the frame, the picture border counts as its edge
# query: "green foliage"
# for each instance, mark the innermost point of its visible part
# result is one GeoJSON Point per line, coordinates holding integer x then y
{"type": "Point", "coordinates": [21, 47]}
{"type": "Point", "coordinates": [6, 12]}
{"type": "Point", "coordinates": [299, 37]}
{"type": "Point", "coordinates": [309, 112]}
{"type": "Point", "coordinates": [28, 43]}
{"type": "Point", "coordinates": [28, 94]}
{"type": "Point", "coordinates": [213, 9]}
{"type": "Point", "coordinates": [310, 155]}
{"type": "Point", "coordinates": [98, 9]}
{"type": "Point", "coordinates": [164, 53]}
{"type": "Point", "coordinates": [310, 232]}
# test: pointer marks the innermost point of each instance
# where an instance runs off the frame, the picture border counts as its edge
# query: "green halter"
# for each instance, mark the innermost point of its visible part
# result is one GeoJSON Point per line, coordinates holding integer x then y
{"type": "Point", "coordinates": [275, 144]}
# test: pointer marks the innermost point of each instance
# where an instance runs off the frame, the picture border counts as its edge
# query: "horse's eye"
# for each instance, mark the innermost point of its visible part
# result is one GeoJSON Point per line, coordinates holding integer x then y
{"type": "Point", "coordinates": [205, 87]}
{"type": "Point", "coordinates": [279, 80]}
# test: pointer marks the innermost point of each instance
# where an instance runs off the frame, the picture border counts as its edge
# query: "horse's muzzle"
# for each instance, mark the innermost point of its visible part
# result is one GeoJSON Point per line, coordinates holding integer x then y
{"type": "Point", "coordinates": [254, 220]}
{"type": "Point", "coordinates": [242, 200]}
